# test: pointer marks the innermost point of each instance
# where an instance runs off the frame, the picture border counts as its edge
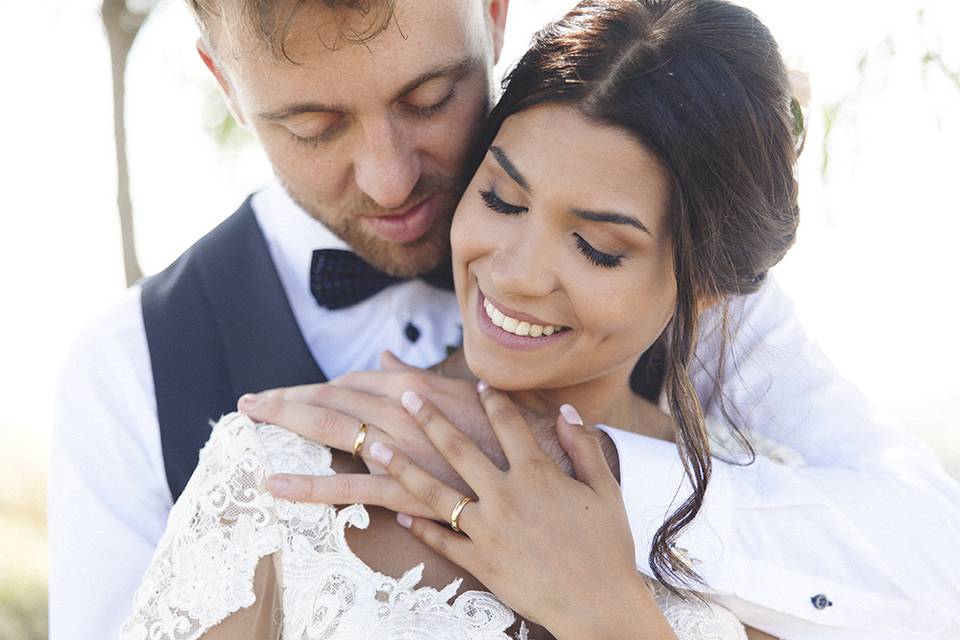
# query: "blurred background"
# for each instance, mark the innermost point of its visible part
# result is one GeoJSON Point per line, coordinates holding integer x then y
{"type": "Point", "coordinates": [873, 273]}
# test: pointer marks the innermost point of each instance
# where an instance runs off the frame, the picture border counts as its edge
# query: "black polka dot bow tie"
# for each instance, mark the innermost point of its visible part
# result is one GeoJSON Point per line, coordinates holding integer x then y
{"type": "Point", "coordinates": [340, 279]}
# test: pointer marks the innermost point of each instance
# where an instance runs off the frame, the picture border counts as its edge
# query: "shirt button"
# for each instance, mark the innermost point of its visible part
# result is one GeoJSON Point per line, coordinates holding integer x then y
{"type": "Point", "coordinates": [820, 602]}
{"type": "Point", "coordinates": [412, 332]}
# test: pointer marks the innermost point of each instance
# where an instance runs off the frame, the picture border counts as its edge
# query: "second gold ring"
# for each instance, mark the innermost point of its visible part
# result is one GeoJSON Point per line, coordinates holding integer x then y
{"type": "Point", "coordinates": [361, 438]}
{"type": "Point", "coordinates": [457, 510]}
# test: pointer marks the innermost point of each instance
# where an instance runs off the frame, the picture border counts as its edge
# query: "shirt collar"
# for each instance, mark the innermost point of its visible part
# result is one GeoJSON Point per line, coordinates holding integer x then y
{"type": "Point", "coordinates": [291, 232]}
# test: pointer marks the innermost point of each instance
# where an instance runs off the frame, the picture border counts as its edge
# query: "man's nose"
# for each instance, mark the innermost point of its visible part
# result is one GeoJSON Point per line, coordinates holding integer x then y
{"type": "Point", "coordinates": [387, 167]}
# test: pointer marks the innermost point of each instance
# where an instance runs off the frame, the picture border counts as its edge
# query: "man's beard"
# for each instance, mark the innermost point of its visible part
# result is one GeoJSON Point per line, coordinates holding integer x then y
{"type": "Point", "coordinates": [402, 260]}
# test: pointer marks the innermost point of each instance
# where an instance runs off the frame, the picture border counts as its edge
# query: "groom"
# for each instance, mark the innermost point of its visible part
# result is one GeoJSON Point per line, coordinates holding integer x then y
{"type": "Point", "coordinates": [365, 109]}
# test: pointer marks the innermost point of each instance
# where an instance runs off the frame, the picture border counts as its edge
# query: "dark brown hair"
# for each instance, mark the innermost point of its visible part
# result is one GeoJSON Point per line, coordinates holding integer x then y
{"type": "Point", "coordinates": [701, 84]}
{"type": "Point", "coordinates": [269, 20]}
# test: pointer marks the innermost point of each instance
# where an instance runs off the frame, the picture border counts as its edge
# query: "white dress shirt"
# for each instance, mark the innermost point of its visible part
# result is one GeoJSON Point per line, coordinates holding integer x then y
{"type": "Point", "coordinates": [870, 524]}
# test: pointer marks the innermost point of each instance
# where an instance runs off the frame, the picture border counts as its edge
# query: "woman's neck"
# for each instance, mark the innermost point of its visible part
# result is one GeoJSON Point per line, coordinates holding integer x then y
{"type": "Point", "coordinates": [605, 400]}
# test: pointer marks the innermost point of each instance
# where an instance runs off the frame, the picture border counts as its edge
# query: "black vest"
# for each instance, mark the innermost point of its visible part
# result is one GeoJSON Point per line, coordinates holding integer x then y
{"type": "Point", "coordinates": [218, 325]}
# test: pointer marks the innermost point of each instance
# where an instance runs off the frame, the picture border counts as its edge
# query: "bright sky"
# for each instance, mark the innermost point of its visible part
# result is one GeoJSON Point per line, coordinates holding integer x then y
{"type": "Point", "coordinates": [873, 271]}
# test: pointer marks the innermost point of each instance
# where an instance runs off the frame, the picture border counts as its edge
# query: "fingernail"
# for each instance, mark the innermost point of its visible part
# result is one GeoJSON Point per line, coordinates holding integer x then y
{"type": "Point", "coordinates": [482, 386]}
{"type": "Point", "coordinates": [404, 520]}
{"type": "Point", "coordinates": [411, 402]}
{"type": "Point", "coordinates": [279, 486]}
{"type": "Point", "coordinates": [571, 415]}
{"type": "Point", "coordinates": [249, 401]}
{"type": "Point", "coordinates": [381, 453]}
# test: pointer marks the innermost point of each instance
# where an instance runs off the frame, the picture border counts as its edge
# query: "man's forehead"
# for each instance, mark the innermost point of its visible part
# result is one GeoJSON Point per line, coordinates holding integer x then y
{"type": "Point", "coordinates": [320, 36]}
{"type": "Point", "coordinates": [419, 43]}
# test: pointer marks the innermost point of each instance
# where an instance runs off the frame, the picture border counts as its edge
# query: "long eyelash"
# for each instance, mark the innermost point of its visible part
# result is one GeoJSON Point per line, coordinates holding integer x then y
{"type": "Point", "coordinates": [598, 258]}
{"type": "Point", "coordinates": [494, 202]}
{"type": "Point", "coordinates": [426, 112]}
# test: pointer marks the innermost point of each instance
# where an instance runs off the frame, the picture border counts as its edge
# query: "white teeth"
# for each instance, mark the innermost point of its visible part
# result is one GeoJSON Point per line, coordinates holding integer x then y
{"type": "Point", "coordinates": [517, 327]}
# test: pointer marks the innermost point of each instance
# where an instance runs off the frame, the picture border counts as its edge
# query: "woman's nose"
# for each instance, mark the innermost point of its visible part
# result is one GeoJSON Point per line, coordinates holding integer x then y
{"type": "Point", "coordinates": [387, 167]}
{"type": "Point", "coordinates": [522, 268]}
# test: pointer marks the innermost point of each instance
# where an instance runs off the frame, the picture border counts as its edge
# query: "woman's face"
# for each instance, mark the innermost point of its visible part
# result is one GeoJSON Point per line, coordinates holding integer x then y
{"type": "Point", "coordinates": [562, 252]}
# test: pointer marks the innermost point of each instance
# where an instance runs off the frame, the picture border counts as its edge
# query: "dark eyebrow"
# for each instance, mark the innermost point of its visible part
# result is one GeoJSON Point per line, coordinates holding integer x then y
{"type": "Point", "coordinates": [501, 157]}
{"type": "Point", "coordinates": [615, 218]}
{"type": "Point", "coordinates": [456, 69]}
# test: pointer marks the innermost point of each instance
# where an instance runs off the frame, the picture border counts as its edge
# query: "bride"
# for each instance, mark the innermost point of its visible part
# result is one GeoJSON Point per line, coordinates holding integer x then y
{"type": "Point", "coordinates": [636, 175]}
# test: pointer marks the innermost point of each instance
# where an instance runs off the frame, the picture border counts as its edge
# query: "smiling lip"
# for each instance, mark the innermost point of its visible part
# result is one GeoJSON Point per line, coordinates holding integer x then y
{"type": "Point", "coordinates": [513, 313]}
{"type": "Point", "coordinates": [509, 340]}
{"type": "Point", "coordinates": [407, 226]}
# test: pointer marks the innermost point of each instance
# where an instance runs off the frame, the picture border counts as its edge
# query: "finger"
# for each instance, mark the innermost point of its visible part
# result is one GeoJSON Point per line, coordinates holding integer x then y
{"type": "Point", "coordinates": [371, 409]}
{"type": "Point", "coordinates": [390, 362]}
{"type": "Point", "coordinates": [456, 548]}
{"type": "Point", "coordinates": [436, 496]}
{"type": "Point", "coordinates": [582, 444]}
{"type": "Point", "coordinates": [319, 424]}
{"type": "Point", "coordinates": [359, 404]}
{"type": "Point", "coordinates": [466, 458]}
{"type": "Point", "coordinates": [347, 488]}
{"type": "Point", "coordinates": [508, 425]}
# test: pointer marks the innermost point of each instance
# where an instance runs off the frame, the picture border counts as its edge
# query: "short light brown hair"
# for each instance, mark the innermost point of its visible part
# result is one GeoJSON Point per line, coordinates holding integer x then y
{"type": "Point", "coordinates": [270, 21]}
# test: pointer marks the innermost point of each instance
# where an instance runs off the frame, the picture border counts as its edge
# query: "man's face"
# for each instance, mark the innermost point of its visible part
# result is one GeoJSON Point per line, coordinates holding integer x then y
{"type": "Point", "coordinates": [371, 138]}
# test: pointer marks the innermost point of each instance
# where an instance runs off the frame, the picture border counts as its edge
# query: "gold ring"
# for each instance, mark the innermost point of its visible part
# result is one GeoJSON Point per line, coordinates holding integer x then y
{"type": "Point", "coordinates": [361, 438]}
{"type": "Point", "coordinates": [455, 514]}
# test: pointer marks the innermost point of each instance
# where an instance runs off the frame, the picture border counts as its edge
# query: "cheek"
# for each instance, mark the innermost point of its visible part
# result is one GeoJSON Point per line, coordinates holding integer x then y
{"type": "Point", "coordinates": [629, 310]}
{"type": "Point", "coordinates": [449, 137]}
{"type": "Point", "coordinates": [467, 234]}
{"type": "Point", "coordinates": [317, 176]}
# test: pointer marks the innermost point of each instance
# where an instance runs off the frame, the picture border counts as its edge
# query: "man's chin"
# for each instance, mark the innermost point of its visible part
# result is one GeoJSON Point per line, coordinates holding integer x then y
{"type": "Point", "coordinates": [405, 260]}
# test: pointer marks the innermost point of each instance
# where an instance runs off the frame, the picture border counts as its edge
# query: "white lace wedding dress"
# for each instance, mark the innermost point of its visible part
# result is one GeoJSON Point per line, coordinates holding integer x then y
{"type": "Point", "coordinates": [226, 523]}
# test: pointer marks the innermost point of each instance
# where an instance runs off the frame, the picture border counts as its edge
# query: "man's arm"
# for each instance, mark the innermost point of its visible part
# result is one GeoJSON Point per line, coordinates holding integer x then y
{"type": "Point", "coordinates": [858, 542]}
{"type": "Point", "coordinates": [108, 498]}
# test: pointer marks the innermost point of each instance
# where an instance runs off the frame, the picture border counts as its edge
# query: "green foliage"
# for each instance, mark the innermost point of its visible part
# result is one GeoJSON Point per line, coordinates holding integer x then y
{"type": "Point", "coordinates": [23, 609]}
{"type": "Point", "coordinates": [221, 125]}
{"type": "Point", "coordinates": [830, 113]}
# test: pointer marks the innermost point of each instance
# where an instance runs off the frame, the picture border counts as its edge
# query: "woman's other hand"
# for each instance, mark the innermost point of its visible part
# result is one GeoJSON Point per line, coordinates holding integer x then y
{"type": "Point", "coordinates": [557, 550]}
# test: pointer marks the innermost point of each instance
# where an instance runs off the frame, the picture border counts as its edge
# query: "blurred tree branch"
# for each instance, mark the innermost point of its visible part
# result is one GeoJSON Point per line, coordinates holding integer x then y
{"type": "Point", "coordinates": [122, 20]}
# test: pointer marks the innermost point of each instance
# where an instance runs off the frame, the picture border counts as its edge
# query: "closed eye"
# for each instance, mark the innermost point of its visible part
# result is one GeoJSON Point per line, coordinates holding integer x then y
{"type": "Point", "coordinates": [496, 203]}
{"type": "Point", "coordinates": [433, 109]}
{"type": "Point", "coordinates": [598, 258]}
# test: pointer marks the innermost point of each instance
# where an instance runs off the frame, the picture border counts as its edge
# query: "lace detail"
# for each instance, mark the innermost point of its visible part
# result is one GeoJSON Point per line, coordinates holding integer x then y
{"type": "Point", "coordinates": [226, 521]}
{"type": "Point", "coordinates": [695, 620]}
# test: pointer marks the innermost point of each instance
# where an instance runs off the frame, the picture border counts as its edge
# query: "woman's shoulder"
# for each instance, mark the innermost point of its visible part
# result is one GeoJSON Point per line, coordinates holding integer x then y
{"type": "Point", "coordinates": [223, 524]}
{"type": "Point", "coordinates": [237, 441]}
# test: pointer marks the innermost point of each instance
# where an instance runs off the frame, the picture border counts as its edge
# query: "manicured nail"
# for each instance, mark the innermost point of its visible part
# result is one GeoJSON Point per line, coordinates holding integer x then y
{"type": "Point", "coordinates": [279, 486]}
{"type": "Point", "coordinates": [404, 520]}
{"type": "Point", "coordinates": [249, 401]}
{"type": "Point", "coordinates": [381, 453]}
{"type": "Point", "coordinates": [571, 415]}
{"type": "Point", "coordinates": [482, 386]}
{"type": "Point", "coordinates": [411, 402]}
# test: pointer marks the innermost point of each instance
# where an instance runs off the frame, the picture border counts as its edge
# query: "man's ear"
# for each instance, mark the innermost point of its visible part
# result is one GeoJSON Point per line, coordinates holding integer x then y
{"type": "Point", "coordinates": [497, 14]}
{"type": "Point", "coordinates": [212, 63]}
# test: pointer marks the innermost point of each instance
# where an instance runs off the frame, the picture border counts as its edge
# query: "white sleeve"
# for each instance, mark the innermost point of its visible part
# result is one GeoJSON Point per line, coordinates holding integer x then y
{"type": "Point", "coordinates": [859, 542]}
{"type": "Point", "coordinates": [108, 495]}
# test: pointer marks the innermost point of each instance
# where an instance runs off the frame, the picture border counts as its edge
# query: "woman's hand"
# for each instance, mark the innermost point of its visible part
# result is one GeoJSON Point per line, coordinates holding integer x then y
{"type": "Point", "coordinates": [558, 550]}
